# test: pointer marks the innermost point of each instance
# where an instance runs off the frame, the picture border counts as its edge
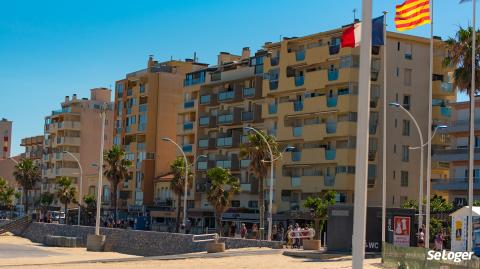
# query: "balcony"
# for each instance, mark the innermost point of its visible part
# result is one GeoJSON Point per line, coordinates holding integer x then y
{"type": "Point", "coordinates": [331, 127]}
{"type": "Point", "coordinates": [205, 99]}
{"type": "Point", "coordinates": [297, 106]}
{"type": "Point", "coordinates": [202, 166]}
{"type": "Point", "coordinates": [300, 55]}
{"type": "Point", "coordinates": [299, 81]}
{"type": "Point", "coordinates": [246, 187]}
{"type": "Point", "coordinates": [454, 184]}
{"type": "Point", "coordinates": [296, 181]}
{"type": "Point", "coordinates": [441, 113]}
{"type": "Point", "coordinates": [142, 108]}
{"type": "Point", "coordinates": [273, 85]}
{"type": "Point", "coordinates": [334, 49]}
{"type": "Point", "coordinates": [297, 131]}
{"type": "Point", "coordinates": [187, 126]}
{"type": "Point", "coordinates": [446, 111]}
{"type": "Point", "coordinates": [329, 180]}
{"type": "Point", "coordinates": [296, 156]}
{"type": "Point", "coordinates": [330, 154]}
{"type": "Point", "coordinates": [225, 119]}
{"type": "Point", "coordinates": [272, 108]}
{"type": "Point", "coordinates": [333, 74]}
{"type": "Point", "coordinates": [225, 164]}
{"type": "Point", "coordinates": [247, 116]}
{"type": "Point", "coordinates": [71, 141]}
{"type": "Point", "coordinates": [226, 96]}
{"type": "Point", "coordinates": [189, 104]}
{"type": "Point", "coordinates": [224, 142]}
{"type": "Point", "coordinates": [451, 155]}
{"type": "Point", "coordinates": [245, 163]}
{"type": "Point", "coordinates": [187, 148]}
{"type": "Point", "coordinates": [249, 92]}
{"type": "Point", "coordinates": [229, 117]}
{"type": "Point", "coordinates": [332, 101]}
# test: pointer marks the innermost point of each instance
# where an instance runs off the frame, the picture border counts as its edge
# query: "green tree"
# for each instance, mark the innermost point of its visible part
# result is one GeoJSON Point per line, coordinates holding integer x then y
{"type": "Point", "coordinates": [66, 193]}
{"type": "Point", "coordinates": [8, 196]}
{"type": "Point", "coordinates": [46, 199]}
{"type": "Point", "coordinates": [318, 207]}
{"type": "Point", "coordinates": [177, 185]}
{"type": "Point", "coordinates": [89, 209]}
{"type": "Point", "coordinates": [116, 170]}
{"type": "Point", "coordinates": [476, 203]}
{"type": "Point", "coordinates": [220, 193]}
{"type": "Point", "coordinates": [27, 174]}
{"type": "Point", "coordinates": [257, 151]}
{"type": "Point", "coordinates": [438, 204]}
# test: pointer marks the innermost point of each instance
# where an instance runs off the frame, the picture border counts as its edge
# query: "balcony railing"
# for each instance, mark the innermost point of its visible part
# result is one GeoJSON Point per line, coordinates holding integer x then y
{"type": "Point", "coordinates": [332, 101]}
{"type": "Point", "coordinates": [248, 92]}
{"type": "Point", "coordinates": [297, 131]}
{"type": "Point", "coordinates": [205, 99]}
{"type": "Point", "coordinates": [296, 182]}
{"type": "Point", "coordinates": [204, 121]}
{"type": "Point", "coordinates": [273, 85]}
{"type": "Point", "coordinates": [300, 55]}
{"type": "Point", "coordinates": [142, 108]}
{"type": "Point", "coordinates": [329, 180]}
{"type": "Point", "coordinates": [331, 127]}
{"type": "Point", "coordinates": [446, 111]}
{"type": "Point", "coordinates": [330, 154]}
{"type": "Point", "coordinates": [274, 61]}
{"type": "Point", "coordinates": [225, 164]}
{"type": "Point", "coordinates": [299, 80]}
{"type": "Point", "coordinates": [333, 74]}
{"type": "Point", "coordinates": [226, 96]}
{"type": "Point", "coordinates": [187, 126]}
{"type": "Point", "coordinates": [296, 156]}
{"type": "Point", "coordinates": [245, 163]}
{"type": "Point", "coordinates": [187, 148]}
{"type": "Point", "coordinates": [203, 143]}
{"type": "Point", "coordinates": [247, 115]}
{"type": "Point", "coordinates": [189, 104]}
{"type": "Point", "coordinates": [202, 166]}
{"type": "Point", "coordinates": [226, 118]}
{"type": "Point", "coordinates": [447, 87]}
{"type": "Point", "coordinates": [297, 106]}
{"type": "Point", "coordinates": [334, 49]}
{"type": "Point", "coordinates": [451, 184]}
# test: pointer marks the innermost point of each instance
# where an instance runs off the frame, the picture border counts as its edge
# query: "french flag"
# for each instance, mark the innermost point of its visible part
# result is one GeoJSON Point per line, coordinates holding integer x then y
{"type": "Point", "coordinates": [351, 35]}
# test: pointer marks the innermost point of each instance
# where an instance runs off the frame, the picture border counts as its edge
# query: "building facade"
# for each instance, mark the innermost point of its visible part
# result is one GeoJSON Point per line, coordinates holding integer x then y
{"type": "Point", "coordinates": [451, 181]}
{"type": "Point", "coordinates": [5, 138]}
{"type": "Point", "coordinates": [308, 100]}
{"type": "Point", "coordinates": [76, 128]}
{"type": "Point", "coordinates": [146, 104]}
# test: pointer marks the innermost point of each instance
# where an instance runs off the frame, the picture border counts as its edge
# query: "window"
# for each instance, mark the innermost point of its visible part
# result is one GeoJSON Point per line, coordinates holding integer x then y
{"type": "Point", "coordinates": [253, 204]}
{"type": "Point", "coordinates": [407, 77]}
{"type": "Point", "coordinates": [395, 123]}
{"type": "Point", "coordinates": [405, 154]}
{"type": "Point", "coordinates": [398, 71]}
{"type": "Point", "coordinates": [406, 102]}
{"type": "Point", "coordinates": [394, 148]}
{"type": "Point", "coordinates": [235, 203]}
{"type": "Point", "coordinates": [406, 128]}
{"type": "Point", "coordinates": [398, 46]}
{"type": "Point", "coordinates": [404, 178]}
{"type": "Point", "coordinates": [394, 174]}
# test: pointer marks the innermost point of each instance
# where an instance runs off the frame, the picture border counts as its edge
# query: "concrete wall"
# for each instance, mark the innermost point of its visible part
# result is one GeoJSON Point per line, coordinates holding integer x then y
{"type": "Point", "coordinates": [133, 242]}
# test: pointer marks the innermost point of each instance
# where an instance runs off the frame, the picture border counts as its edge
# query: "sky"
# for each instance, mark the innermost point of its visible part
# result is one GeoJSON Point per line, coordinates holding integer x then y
{"type": "Point", "coordinates": [50, 49]}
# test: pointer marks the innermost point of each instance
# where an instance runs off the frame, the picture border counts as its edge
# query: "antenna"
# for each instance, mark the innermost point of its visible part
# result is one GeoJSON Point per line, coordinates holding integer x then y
{"type": "Point", "coordinates": [354, 15]}
{"type": "Point", "coordinates": [194, 56]}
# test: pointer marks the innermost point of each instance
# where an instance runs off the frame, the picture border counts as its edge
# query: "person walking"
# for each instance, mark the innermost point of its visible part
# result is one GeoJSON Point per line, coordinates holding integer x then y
{"type": "Point", "coordinates": [243, 231]}
{"type": "Point", "coordinates": [288, 236]}
{"type": "Point", "coordinates": [274, 233]}
{"type": "Point", "coordinates": [255, 231]}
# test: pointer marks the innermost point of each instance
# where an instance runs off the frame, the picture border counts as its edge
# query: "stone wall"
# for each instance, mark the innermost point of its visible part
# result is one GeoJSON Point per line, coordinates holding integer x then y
{"type": "Point", "coordinates": [133, 242]}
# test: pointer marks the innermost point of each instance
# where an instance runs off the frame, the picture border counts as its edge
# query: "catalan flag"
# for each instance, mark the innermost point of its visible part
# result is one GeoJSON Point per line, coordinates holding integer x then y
{"type": "Point", "coordinates": [412, 13]}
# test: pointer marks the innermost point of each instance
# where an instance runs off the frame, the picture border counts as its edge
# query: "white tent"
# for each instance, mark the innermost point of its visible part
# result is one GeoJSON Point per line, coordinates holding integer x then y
{"type": "Point", "coordinates": [459, 228]}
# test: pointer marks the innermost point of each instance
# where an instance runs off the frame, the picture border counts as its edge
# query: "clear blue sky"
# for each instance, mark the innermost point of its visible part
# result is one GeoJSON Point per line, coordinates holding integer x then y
{"type": "Point", "coordinates": [49, 49]}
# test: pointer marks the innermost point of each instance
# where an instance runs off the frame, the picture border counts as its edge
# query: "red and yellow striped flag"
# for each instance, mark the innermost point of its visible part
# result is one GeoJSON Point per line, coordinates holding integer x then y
{"type": "Point", "coordinates": [412, 13]}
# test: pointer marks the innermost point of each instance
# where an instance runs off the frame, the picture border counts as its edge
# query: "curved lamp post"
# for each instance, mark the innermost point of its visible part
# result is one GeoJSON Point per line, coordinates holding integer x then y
{"type": "Point", "coordinates": [166, 139]}
{"type": "Point", "coordinates": [80, 191]}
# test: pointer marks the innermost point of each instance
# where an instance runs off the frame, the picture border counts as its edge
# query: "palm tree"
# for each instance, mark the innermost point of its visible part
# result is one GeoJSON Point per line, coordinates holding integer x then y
{"type": "Point", "coordinates": [257, 150]}
{"type": "Point", "coordinates": [66, 193]}
{"type": "Point", "coordinates": [116, 170]}
{"type": "Point", "coordinates": [318, 207]}
{"type": "Point", "coordinates": [27, 174]}
{"type": "Point", "coordinates": [8, 196]}
{"type": "Point", "coordinates": [220, 193]}
{"type": "Point", "coordinates": [177, 185]}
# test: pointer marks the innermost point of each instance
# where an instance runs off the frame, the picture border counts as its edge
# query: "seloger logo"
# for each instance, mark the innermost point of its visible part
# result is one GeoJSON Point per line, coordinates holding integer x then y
{"type": "Point", "coordinates": [452, 256]}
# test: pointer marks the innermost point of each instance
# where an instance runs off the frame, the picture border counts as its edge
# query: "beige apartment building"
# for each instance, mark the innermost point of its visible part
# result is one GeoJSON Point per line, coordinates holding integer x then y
{"type": "Point", "coordinates": [309, 101]}
{"type": "Point", "coordinates": [5, 138]}
{"type": "Point", "coordinates": [451, 179]}
{"type": "Point", "coordinates": [34, 151]}
{"type": "Point", "coordinates": [146, 104]}
{"type": "Point", "coordinates": [76, 128]}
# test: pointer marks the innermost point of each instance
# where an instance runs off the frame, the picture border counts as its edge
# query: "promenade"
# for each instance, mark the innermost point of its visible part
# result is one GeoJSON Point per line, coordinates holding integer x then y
{"type": "Point", "coordinates": [16, 252]}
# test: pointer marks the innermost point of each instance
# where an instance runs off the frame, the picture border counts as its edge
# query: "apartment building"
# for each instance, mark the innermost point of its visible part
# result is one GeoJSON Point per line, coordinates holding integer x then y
{"type": "Point", "coordinates": [146, 104]}
{"type": "Point", "coordinates": [451, 179]}
{"type": "Point", "coordinates": [33, 148]}
{"type": "Point", "coordinates": [6, 138]}
{"type": "Point", "coordinates": [309, 92]}
{"type": "Point", "coordinates": [76, 128]}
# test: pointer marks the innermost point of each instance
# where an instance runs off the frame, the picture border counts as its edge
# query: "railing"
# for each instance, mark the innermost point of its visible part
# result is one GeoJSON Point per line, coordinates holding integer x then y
{"type": "Point", "coordinates": [330, 154]}
{"type": "Point", "coordinates": [272, 108]}
{"type": "Point", "coordinates": [187, 148]}
{"type": "Point", "coordinates": [224, 142]}
{"type": "Point", "coordinates": [446, 111]}
{"type": "Point", "coordinates": [226, 96]}
{"type": "Point", "coordinates": [187, 126]}
{"type": "Point", "coordinates": [328, 180]}
{"type": "Point", "coordinates": [331, 127]}
{"type": "Point", "coordinates": [447, 87]}
{"type": "Point", "coordinates": [299, 80]}
{"type": "Point", "coordinates": [297, 106]}
{"type": "Point", "coordinates": [205, 99]}
{"type": "Point", "coordinates": [226, 118]}
{"type": "Point", "coordinates": [248, 92]}
{"type": "Point", "coordinates": [203, 121]}
{"type": "Point", "coordinates": [245, 163]}
{"type": "Point", "coordinates": [297, 131]}
{"type": "Point", "coordinates": [295, 181]}
{"type": "Point", "coordinates": [225, 164]}
{"type": "Point", "coordinates": [334, 49]}
{"type": "Point", "coordinates": [203, 143]}
{"type": "Point", "coordinates": [273, 85]}
{"type": "Point", "coordinates": [202, 166]}
{"type": "Point", "coordinates": [300, 55]}
{"type": "Point", "coordinates": [246, 187]}
{"type": "Point", "coordinates": [332, 101]}
{"type": "Point", "coordinates": [189, 104]}
{"type": "Point", "coordinates": [333, 75]}
{"type": "Point", "coordinates": [296, 156]}
{"type": "Point", "coordinates": [247, 115]}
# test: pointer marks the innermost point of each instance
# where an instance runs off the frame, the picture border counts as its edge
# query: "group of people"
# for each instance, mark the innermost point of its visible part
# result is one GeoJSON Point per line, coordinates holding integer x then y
{"type": "Point", "coordinates": [296, 234]}
{"type": "Point", "coordinates": [439, 239]}
{"type": "Point", "coordinates": [121, 224]}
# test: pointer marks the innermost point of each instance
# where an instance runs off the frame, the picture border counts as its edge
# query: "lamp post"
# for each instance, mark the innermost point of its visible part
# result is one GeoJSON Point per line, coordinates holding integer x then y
{"type": "Point", "coordinates": [269, 233]}
{"type": "Point", "coordinates": [186, 178]}
{"type": "Point", "coordinates": [103, 115]}
{"type": "Point", "coordinates": [420, 198]}
{"type": "Point", "coordinates": [80, 191]}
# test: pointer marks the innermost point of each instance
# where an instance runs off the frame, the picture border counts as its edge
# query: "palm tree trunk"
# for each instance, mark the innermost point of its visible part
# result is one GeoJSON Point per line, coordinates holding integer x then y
{"type": "Point", "coordinates": [218, 221]}
{"type": "Point", "coordinates": [114, 201]}
{"type": "Point", "coordinates": [66, 212]}
{"type": "Point", "coordinates": [261, 208]}
{"type": "Point", "coordinates": [179, 205]}
{"type": "Point", "coordinates": [25, 195]}
{"type": "Point", "coordinates": [318, 229]}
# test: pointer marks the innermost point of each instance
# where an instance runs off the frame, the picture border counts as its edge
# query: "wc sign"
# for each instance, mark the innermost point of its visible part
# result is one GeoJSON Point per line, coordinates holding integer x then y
{"type": "Point", "coordinates": [401, 231]}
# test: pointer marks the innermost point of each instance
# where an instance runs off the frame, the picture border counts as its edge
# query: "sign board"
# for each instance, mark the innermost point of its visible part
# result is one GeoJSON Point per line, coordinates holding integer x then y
{"type": "Point", "coordinates": [401, 231]}
{"type": "Point", "coordinates": [459, 233]}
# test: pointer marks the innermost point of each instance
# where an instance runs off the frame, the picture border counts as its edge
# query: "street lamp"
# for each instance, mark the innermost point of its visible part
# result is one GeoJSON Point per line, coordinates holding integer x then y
{"type": "Point", "coordinates": [420, 198]}
{"type": "Point", "coordinates": [80, 192]}
{"type": "Point", "coordinates": [186, 178]}
{"type": "Point", "coordinates": [431, 138]}
{"type": "Point", "coordinates": [269, 234]}
{"type": "Point", "coordinates": [280, 156]}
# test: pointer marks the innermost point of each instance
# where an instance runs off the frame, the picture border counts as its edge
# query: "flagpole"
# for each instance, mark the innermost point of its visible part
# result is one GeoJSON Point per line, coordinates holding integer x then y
{"type": "Point", "coordinates": [384, 146]}
{"type": "Point", "coordinates": [361, 154]}
{"type": "Point", "coordinates": [429, 134]}
{"type": "Point", "coordinates": [472, 136]}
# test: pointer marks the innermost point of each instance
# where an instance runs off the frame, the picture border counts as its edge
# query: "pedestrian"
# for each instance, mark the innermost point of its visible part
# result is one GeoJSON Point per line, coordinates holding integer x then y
{"type": "Point", "coordinates": [421, 238]}
{"type": "Point", "coordinates": [281, 233]}
{"type": "Point", "coordinates": [439, 238]}
{"type": "Point", "coordinates": [288, 236]}
{"type": "Point", "coordinates": [243, 231]}
{"type": "Point", "coordinates": [297, 233]}
{"type": "Point", "coordinates": [274, 233]}
{"type": "Point", "coordinates": [254, 231]}
{"type": "Point", "coordinates": [233, 229]}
